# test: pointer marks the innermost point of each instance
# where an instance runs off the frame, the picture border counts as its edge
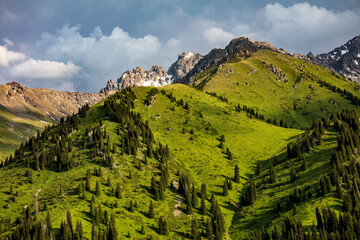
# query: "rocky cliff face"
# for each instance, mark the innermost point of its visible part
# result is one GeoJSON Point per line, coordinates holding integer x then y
{"type": "Point", "coordinates": [344, 60]}
{"type": "Point", "coordinates": [43, 104]}
{"type": "Point", "coordinates": [238, 47]}
{"type": "Point", "coordinates": [155, 77]}
{"type": "Point", "coordinates": [183, 65]}
{"type": "Point", "coordinates": [111, 87]}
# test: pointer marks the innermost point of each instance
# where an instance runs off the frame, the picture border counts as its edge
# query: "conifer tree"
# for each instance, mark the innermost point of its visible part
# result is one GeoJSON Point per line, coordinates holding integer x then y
{"type": "Point", "coordinates": [112, 233]}
{"type": "Point", "coordinates": [108, 183]}
{"type": "Point", "coordinates": [209, 230]}
{"type": "Point", "coordinates": [203, 207]}
{"type": "Point", "coordinates": [68, 221]}
{"type": "Point", "coordinates": [203, 191]}
{"type": "Point", "coordinates": [225, 188]}
{"type": "Point", "coordinates": [194, 229]}
{"type": "Point", "coordinates": [194, 198]}
{"type": "Point", "coordinates": [151, 213]}
{"type": "Point", "coordinates": [118, 191]}
{"type": "Point", "coordinates": [236, 174]}
{"type": "Point", "coordinates": [97, 189]}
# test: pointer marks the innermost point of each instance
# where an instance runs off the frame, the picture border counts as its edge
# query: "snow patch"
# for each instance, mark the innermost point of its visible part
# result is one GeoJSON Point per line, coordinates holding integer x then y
{"type": "Point", "coordinates": [344, 51]}
{"type": "Point", "coordinates": [356, 62]}
{"type": "Point", "coordinates": [189, 55]}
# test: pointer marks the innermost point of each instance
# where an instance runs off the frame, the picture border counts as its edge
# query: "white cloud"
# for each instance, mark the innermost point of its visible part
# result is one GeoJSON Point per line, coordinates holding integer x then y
{"type": "Point", "coordinates": [44, 69]}
{"type": "Point", "coordinates": [7, 56]}
{"type": "Point", "coordinates": [216, 35]}
{"type": "Point", "coordinates": [302, 27]}
{"type": "Point", "coordinates": [101, 56]}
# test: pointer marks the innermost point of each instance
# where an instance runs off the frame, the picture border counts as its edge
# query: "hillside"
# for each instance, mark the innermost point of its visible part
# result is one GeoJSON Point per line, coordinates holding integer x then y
{"type": "Point", "coordinates": [260, 144]}
{"type": "Point", "coordinates": [191, 128]}
{"type": "Point", "coordinates": [280, 87]}
{"type": "Point", "coordinates": [24, 110]}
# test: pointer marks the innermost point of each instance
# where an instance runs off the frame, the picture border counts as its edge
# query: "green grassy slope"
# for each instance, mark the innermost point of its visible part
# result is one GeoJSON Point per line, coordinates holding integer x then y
{"type": "Point", "coordinates": [278, 86]}
{"type": "Point", "coordinates": [14, 130]}
{"type": "Point", "coordinates": [265, 213]}
{"type": "Point", "coordinates": [250, 140]}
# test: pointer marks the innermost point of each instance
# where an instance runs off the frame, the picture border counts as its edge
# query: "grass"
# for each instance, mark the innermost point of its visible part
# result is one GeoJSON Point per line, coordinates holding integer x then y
{"type": "Point", "coordinates": [246, 81]}
{"type": "Point", "coordinates": [297, 101]}
{"type": "Point", "coordinates": [263, 213]}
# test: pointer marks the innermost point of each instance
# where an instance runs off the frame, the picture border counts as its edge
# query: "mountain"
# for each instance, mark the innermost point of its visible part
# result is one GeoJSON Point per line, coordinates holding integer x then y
{"type": "Point", "coordinates": [279, 86]}
{"type": "Point", "coordinates": [344, 60]}
{"type": "Point", "coordinates": [156, 76]}
{"type": "Point", "coordinates": [25, 110]}
{"type": "Point", "coordinates": [259, 145]}
{"type": "Point", "coordinates": [238, 47]}
{"type": "Point", "coordinates": [183, 65]}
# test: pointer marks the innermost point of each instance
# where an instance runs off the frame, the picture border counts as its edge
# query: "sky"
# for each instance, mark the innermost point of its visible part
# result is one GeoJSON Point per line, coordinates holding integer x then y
{"type": "Point", "coordinates": [77, 45]}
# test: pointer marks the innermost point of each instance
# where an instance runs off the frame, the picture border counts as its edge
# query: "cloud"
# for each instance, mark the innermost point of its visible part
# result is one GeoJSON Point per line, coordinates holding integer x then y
{"type": "Point", "coordinates": [216, 35]}
{"type": "Point", "coordinates": [7, 56]}
{"type": "Point", "coordinates": [301, 27]}
{"type": "Point", "coordinates": [101, 56]}
{"type": "Point", "coordinates": [44, 69]}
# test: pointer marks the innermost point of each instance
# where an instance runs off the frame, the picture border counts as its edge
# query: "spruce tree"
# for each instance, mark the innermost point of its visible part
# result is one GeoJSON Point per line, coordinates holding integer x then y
{"type": "Point", "coordinates": [225, 189]}
{"type": "Point", "coordinates": [97, 189]}
{"type": "Point", "coordinates": [194, 229]}
{"type": "Point", "coordinates": [203, 207]}
{"type": "Point", "coordinates": [151, 213]}
{"type": "Point", "coordinates": [118, 191]}
{"type": "Point", "coordinates": [236, 174]}
{"type": "Point", "coordinates": [112, 233]}
{"type": "Point", "coordinates": [209, 230]}
{"type": "Point", "coordinates": [194, 198]}
{"type": "Point", "coordinates": [203, 191]}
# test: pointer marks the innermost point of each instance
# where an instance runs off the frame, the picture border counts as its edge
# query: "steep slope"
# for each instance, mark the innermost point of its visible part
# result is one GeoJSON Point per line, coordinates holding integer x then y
{"type": "Point", "coordinates": [24, 110]}
{"type": "Point", "coordinates": [187, 121]}
{"type": "Point", "coordinates": [280, 87]}
{"type": "Point", "coordinates": [238, 47]}
{"type": "Point", "coordinates": [344, 60]}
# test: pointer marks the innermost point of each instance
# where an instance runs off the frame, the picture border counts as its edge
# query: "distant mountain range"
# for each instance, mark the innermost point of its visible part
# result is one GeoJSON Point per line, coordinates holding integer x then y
{"type": "Point", "coordinates": [344, 60]}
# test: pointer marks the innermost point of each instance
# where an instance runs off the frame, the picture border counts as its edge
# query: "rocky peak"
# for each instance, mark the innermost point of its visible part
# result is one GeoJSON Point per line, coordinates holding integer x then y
{"type": "Point", "coordinates": [155, 77]}
{"type": "Point", "coordinates": [344, 60]}
{"type": "Point", "coordinates": [238, 47]}
{"type": "Point", "coordinates": [183, 65]}
{"type": "Point", "coordinates": [110, 88]}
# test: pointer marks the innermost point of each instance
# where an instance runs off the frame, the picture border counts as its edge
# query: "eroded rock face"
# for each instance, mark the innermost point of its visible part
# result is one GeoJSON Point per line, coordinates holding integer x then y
{"type": "Point", "coordinates": [50, 105]}
{"type": "Point", "coordinates": [111, 87]}
{"type": "Point", "coordinates": [156, 77]}
{"type": "Point", "coordinates": [344, 60]}
{"type": "Point", "coordinates": [183, 65]}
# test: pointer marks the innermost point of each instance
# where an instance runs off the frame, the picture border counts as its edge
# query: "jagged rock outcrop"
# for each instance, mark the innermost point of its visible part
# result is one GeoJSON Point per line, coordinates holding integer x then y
{"type": "Point", "coordinates": [43, 104]}
{"type": "Point", "coordinates": [183, 65]}
{"type": "Point", "coordinates": [155, 77]}
{"type": "Point", "coordinates": [110, 88]}
{"type": "Point", "coordinates": [344, 60]}
{"type": "Point", "coordinates": [238, 47]}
